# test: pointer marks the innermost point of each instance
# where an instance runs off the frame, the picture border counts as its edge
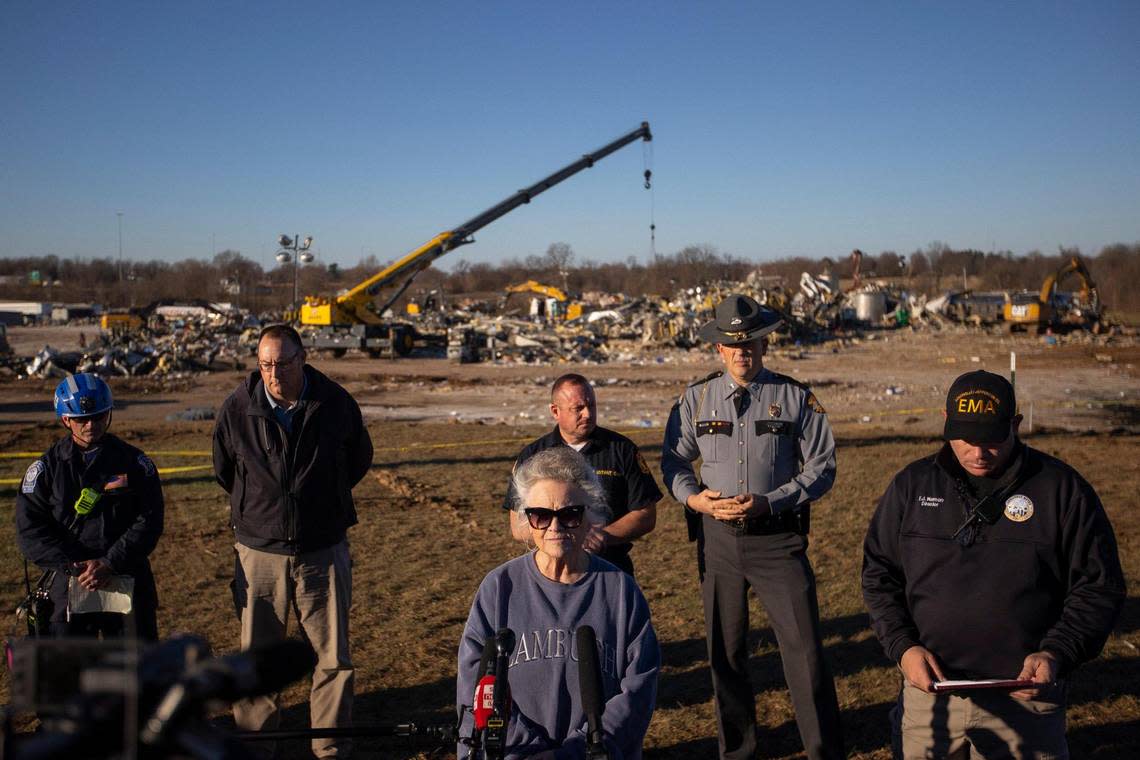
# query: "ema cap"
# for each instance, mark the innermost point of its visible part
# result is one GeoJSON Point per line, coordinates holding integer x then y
{"type": "Point", "coordinates": [979, 408]}
{"type": "Point", "coordinates": [740, 319]}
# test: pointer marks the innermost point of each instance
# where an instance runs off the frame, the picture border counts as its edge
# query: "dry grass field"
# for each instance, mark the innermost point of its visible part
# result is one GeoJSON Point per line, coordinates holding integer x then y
{"type": "Point", "coordinates": [431, 527]}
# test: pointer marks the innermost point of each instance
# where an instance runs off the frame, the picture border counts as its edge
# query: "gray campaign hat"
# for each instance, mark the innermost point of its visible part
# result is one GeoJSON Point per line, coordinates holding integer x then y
{"type": "Point", "coordinates": [740, 319]}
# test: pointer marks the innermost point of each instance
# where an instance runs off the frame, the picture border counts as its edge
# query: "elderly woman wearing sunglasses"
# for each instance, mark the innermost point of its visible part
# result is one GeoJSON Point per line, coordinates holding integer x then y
{"type": "Point", "coordinates": [543, 597]}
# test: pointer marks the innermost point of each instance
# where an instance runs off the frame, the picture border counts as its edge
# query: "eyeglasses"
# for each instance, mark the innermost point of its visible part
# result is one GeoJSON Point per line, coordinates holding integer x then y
{"type": "Point", "coordinates": [568, 517]}
{"type": "Point", "coordinates": [279, 364]}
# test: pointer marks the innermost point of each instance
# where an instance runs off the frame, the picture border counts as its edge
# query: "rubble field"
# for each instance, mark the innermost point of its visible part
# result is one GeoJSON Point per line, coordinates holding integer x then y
{"type": "Point", "coordinates": [879, 378]}
{"type": "Point", "coordinates": [430, 527]}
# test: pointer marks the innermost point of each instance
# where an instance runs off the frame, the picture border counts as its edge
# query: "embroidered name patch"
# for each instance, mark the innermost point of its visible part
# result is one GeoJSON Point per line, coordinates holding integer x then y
{"type": "Point", "coordinates": [774, 427]}
{"type": "Point", "coordinates": [1018, 508]}
{"type": "Point", "coordinates": [713, 427]}
{"type": "Point", "coordinates": [930, 502]}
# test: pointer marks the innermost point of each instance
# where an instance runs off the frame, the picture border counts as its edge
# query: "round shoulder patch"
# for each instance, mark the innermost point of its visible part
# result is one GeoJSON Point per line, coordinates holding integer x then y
{"type": "Point", "coordinates": [1019, 508]}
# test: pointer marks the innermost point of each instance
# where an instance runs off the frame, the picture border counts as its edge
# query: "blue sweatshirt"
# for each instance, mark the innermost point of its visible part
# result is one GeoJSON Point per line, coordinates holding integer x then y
{"type": "Point", "coordinates": [543, 674]}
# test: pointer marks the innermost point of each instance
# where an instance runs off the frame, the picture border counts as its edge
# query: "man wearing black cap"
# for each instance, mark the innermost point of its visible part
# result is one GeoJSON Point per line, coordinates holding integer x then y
{"type": "Point", "coordinates": [766, 453]}
{"type": "Point", "coordinates": [988, 560]}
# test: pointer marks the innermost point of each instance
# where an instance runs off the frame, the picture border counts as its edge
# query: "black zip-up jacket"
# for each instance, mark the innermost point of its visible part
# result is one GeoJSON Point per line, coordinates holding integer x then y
{"type": "Point", "coordinates": [123, 528]}
{"type": "Point", "coordinates": [1045, 577]}
{"type": "Point", "coordinates": [291, 493]}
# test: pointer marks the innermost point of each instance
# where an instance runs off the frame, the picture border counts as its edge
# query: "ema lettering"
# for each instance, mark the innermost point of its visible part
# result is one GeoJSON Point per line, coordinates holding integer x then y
{"type": "Point", "coordinates": [977, 402]}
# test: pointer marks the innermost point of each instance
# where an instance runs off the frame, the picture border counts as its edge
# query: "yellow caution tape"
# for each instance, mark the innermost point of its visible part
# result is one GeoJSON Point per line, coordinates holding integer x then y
{"type": "Point", "coordinates": [161, 471]}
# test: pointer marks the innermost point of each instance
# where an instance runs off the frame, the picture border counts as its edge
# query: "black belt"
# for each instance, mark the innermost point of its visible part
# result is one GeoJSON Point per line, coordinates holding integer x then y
{"type": "Point", "coordinates": [788, 521]}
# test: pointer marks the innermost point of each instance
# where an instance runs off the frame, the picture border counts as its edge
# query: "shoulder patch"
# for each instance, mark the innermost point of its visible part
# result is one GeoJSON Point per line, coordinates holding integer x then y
{"type": "Point", "coordinates": [31, 476]}
{"type": "Point", "coordinates": [148, 466]}
{"type": "Point", "coordinates": [707, 378]}
{"type": "Point", "coordinates": [814, 404]}
{"type": "Point", "coordinates": [641, 464]}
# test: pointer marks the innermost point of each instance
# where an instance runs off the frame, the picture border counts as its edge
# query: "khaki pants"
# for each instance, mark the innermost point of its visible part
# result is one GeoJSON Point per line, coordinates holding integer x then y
{"type": "Point", "coordinates": [317, 587]}
{"type": "Point", "coordinates": [983, 724]}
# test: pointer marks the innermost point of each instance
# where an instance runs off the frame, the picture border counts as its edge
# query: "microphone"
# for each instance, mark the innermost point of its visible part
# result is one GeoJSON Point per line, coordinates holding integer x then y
{"type": "Point", "coordinates": [482, 704]}
{"type": "Point", "coordinates": [495, 739]}
{"type": "Point", "coordinates": [590, 687]}
{"type": "Point", "coordinates": [261, 670]}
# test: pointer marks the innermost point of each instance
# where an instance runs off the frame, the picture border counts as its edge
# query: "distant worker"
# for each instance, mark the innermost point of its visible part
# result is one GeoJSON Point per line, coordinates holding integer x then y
{"type": "Point", "coordinates": [289, 446]}
{"type": "Point", "coordinates": [766, 453]}
{"type": "Point", "coordinates": [90, 512]}
{"type": "Point", "coordinates": [988, 560]}
{"type": "Point", "coordinates": [631, 492]}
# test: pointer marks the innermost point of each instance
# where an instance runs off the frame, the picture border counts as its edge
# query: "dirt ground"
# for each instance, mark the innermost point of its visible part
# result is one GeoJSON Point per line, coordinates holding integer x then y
{"type": "Point", "coordinates": [446, 435]}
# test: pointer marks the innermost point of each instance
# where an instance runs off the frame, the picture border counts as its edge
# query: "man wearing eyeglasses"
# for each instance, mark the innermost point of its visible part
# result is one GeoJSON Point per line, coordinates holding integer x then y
{"type": "Point", "coordinates": [631, 492]}
{"type": "Point", "coordinates": [289, 446]}
{"type": "Point", "coordinates": [766, 452]}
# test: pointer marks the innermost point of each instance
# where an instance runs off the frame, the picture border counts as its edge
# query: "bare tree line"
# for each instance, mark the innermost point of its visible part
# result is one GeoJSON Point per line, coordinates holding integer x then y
{"type": "Point", "coordinates": [229, 276]}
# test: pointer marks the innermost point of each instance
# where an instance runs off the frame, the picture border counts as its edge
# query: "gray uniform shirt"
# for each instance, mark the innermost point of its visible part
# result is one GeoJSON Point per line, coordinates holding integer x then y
{"type": "Point", "coordinates": [781, 448]}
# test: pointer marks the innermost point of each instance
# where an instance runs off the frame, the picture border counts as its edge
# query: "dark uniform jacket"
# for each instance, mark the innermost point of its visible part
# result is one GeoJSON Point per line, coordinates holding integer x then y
{"type": "Point", "coordinates": [123, 528]}
{"type": "Point", "coordinates": [1045, 576]}
{"type": "Point", "coordinates": [622, 470]}
{"type": "Point", "coordinates": [291, 493]}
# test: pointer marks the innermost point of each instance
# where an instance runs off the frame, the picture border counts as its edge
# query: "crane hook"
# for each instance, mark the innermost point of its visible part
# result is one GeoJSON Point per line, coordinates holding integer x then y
{"type": "Point", "coordinates": [648, 175]}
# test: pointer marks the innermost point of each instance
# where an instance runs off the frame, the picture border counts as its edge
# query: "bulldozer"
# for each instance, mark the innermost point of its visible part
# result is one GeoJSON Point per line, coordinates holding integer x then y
{"type": "Point", "coordinates": [1053, 309]}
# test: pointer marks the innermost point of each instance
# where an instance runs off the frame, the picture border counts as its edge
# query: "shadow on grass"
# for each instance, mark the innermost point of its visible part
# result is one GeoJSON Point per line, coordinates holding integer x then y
{"type": "Point", "coordinates": [1129, 621]}
{"type": "Point", "coordinates": [682, 654]}
{"type": "Point", "coordinates": [864, 729]}
{"type": "Point", "coordinates": [423, 704]}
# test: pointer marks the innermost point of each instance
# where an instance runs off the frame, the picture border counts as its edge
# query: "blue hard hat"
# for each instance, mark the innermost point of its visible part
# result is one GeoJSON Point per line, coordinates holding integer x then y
{"type": "Point", "coordinates": [83, 395]}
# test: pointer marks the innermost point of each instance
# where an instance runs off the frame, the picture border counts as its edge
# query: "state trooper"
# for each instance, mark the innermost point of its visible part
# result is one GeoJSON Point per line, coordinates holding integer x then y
{"type": "Point", "coordinates": [766, 453]}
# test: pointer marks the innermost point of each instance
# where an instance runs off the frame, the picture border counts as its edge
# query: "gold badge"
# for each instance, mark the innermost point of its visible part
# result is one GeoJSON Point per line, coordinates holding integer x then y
{"type": "Point", "coordinates": [774, 410]}
{"type": "Point", "coordinates": [1018, 508]}
{"type": "Point", "coordinates": [814, 404]}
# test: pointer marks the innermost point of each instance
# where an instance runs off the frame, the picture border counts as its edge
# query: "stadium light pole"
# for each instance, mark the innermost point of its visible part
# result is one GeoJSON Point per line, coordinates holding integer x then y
{"type": "Point", "coordinates": [296, 250]}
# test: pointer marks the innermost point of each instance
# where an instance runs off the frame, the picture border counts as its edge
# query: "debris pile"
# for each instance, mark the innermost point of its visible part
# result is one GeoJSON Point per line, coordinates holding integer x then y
{"type": "Point", "coordinates": [162, 347]}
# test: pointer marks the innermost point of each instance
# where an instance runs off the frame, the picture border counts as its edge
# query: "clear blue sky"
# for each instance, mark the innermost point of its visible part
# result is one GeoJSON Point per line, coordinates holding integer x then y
{"type": "Point", "coordinates": [779, 130]}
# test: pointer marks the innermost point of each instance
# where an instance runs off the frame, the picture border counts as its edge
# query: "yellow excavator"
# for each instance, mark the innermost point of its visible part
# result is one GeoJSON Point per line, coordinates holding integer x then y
{"type": "Point", "coordinates": [352, 320]}
{"type": "Point", "coordinates": [1053, 309]}
{"type": "Point", "coordinates": [565, 310]}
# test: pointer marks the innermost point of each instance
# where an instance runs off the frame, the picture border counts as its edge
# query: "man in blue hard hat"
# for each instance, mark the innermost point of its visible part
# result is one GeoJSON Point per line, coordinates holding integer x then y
{"type": "Point", "coordinates": [89, 512]}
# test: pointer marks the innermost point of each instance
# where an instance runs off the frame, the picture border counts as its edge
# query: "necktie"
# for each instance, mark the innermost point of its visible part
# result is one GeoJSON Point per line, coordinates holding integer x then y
{"type": "Point", "coordinates": [740, 400]}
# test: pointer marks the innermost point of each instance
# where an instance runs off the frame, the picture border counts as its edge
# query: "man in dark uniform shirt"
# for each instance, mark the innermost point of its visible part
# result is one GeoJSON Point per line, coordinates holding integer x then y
{"type": "Point", "coordinates": [90, 512]}
{"type": "Point", "coordinates": [631, 492]}
{"type": "Point", "coordinates": [988, 560]}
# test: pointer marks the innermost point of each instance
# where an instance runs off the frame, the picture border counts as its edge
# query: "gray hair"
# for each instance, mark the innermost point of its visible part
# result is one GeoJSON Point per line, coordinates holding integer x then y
{"type": "Point", "coordinates": [565, 465]}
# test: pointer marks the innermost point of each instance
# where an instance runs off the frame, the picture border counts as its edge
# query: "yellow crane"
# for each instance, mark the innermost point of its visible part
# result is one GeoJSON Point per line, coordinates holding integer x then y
{"type": "Point", "coordinates": [352, 320]}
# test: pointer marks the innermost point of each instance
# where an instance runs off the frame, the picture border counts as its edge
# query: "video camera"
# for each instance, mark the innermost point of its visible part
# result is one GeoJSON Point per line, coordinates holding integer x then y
{"type": "Point", "coordinates": [123, 698]}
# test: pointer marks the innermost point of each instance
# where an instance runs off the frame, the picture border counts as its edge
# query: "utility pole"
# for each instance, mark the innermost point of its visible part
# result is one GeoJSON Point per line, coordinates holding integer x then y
{"type": "Point", "coordinates": [120, 215]}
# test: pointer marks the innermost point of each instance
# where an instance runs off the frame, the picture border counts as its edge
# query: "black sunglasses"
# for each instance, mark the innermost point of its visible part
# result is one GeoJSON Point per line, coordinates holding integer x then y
{"type": "Point", "coordinates": [568, 517]}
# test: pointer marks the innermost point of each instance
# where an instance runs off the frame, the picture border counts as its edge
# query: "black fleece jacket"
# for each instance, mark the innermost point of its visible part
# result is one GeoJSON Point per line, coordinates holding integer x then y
{"type": "Point", "coordinates": [1045, 576]}
{"type": "Point", "coordinates": [291, 493]}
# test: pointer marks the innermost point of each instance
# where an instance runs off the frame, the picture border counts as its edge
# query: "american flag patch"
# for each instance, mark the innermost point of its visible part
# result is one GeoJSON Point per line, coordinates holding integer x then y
{"type": "Point", "coordinates": [119, 481]}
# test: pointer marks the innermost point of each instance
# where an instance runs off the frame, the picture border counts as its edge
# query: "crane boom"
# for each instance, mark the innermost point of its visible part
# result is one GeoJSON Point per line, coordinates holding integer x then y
{"type": "Point", "coordinates": [352, 308]}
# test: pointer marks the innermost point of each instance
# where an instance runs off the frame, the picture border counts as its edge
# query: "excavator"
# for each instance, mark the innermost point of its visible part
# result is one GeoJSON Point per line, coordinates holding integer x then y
{"type": "Point", "coordinates": [1052, 309]}
{"type": "Point", "coordinates": [565, 309]}
{"type": "Point", "coordinates": [352, 320]}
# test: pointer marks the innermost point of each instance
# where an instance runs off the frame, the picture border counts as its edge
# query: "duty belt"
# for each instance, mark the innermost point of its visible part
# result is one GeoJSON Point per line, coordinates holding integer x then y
{"type": "Point", "coordinates": [789, 521]}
